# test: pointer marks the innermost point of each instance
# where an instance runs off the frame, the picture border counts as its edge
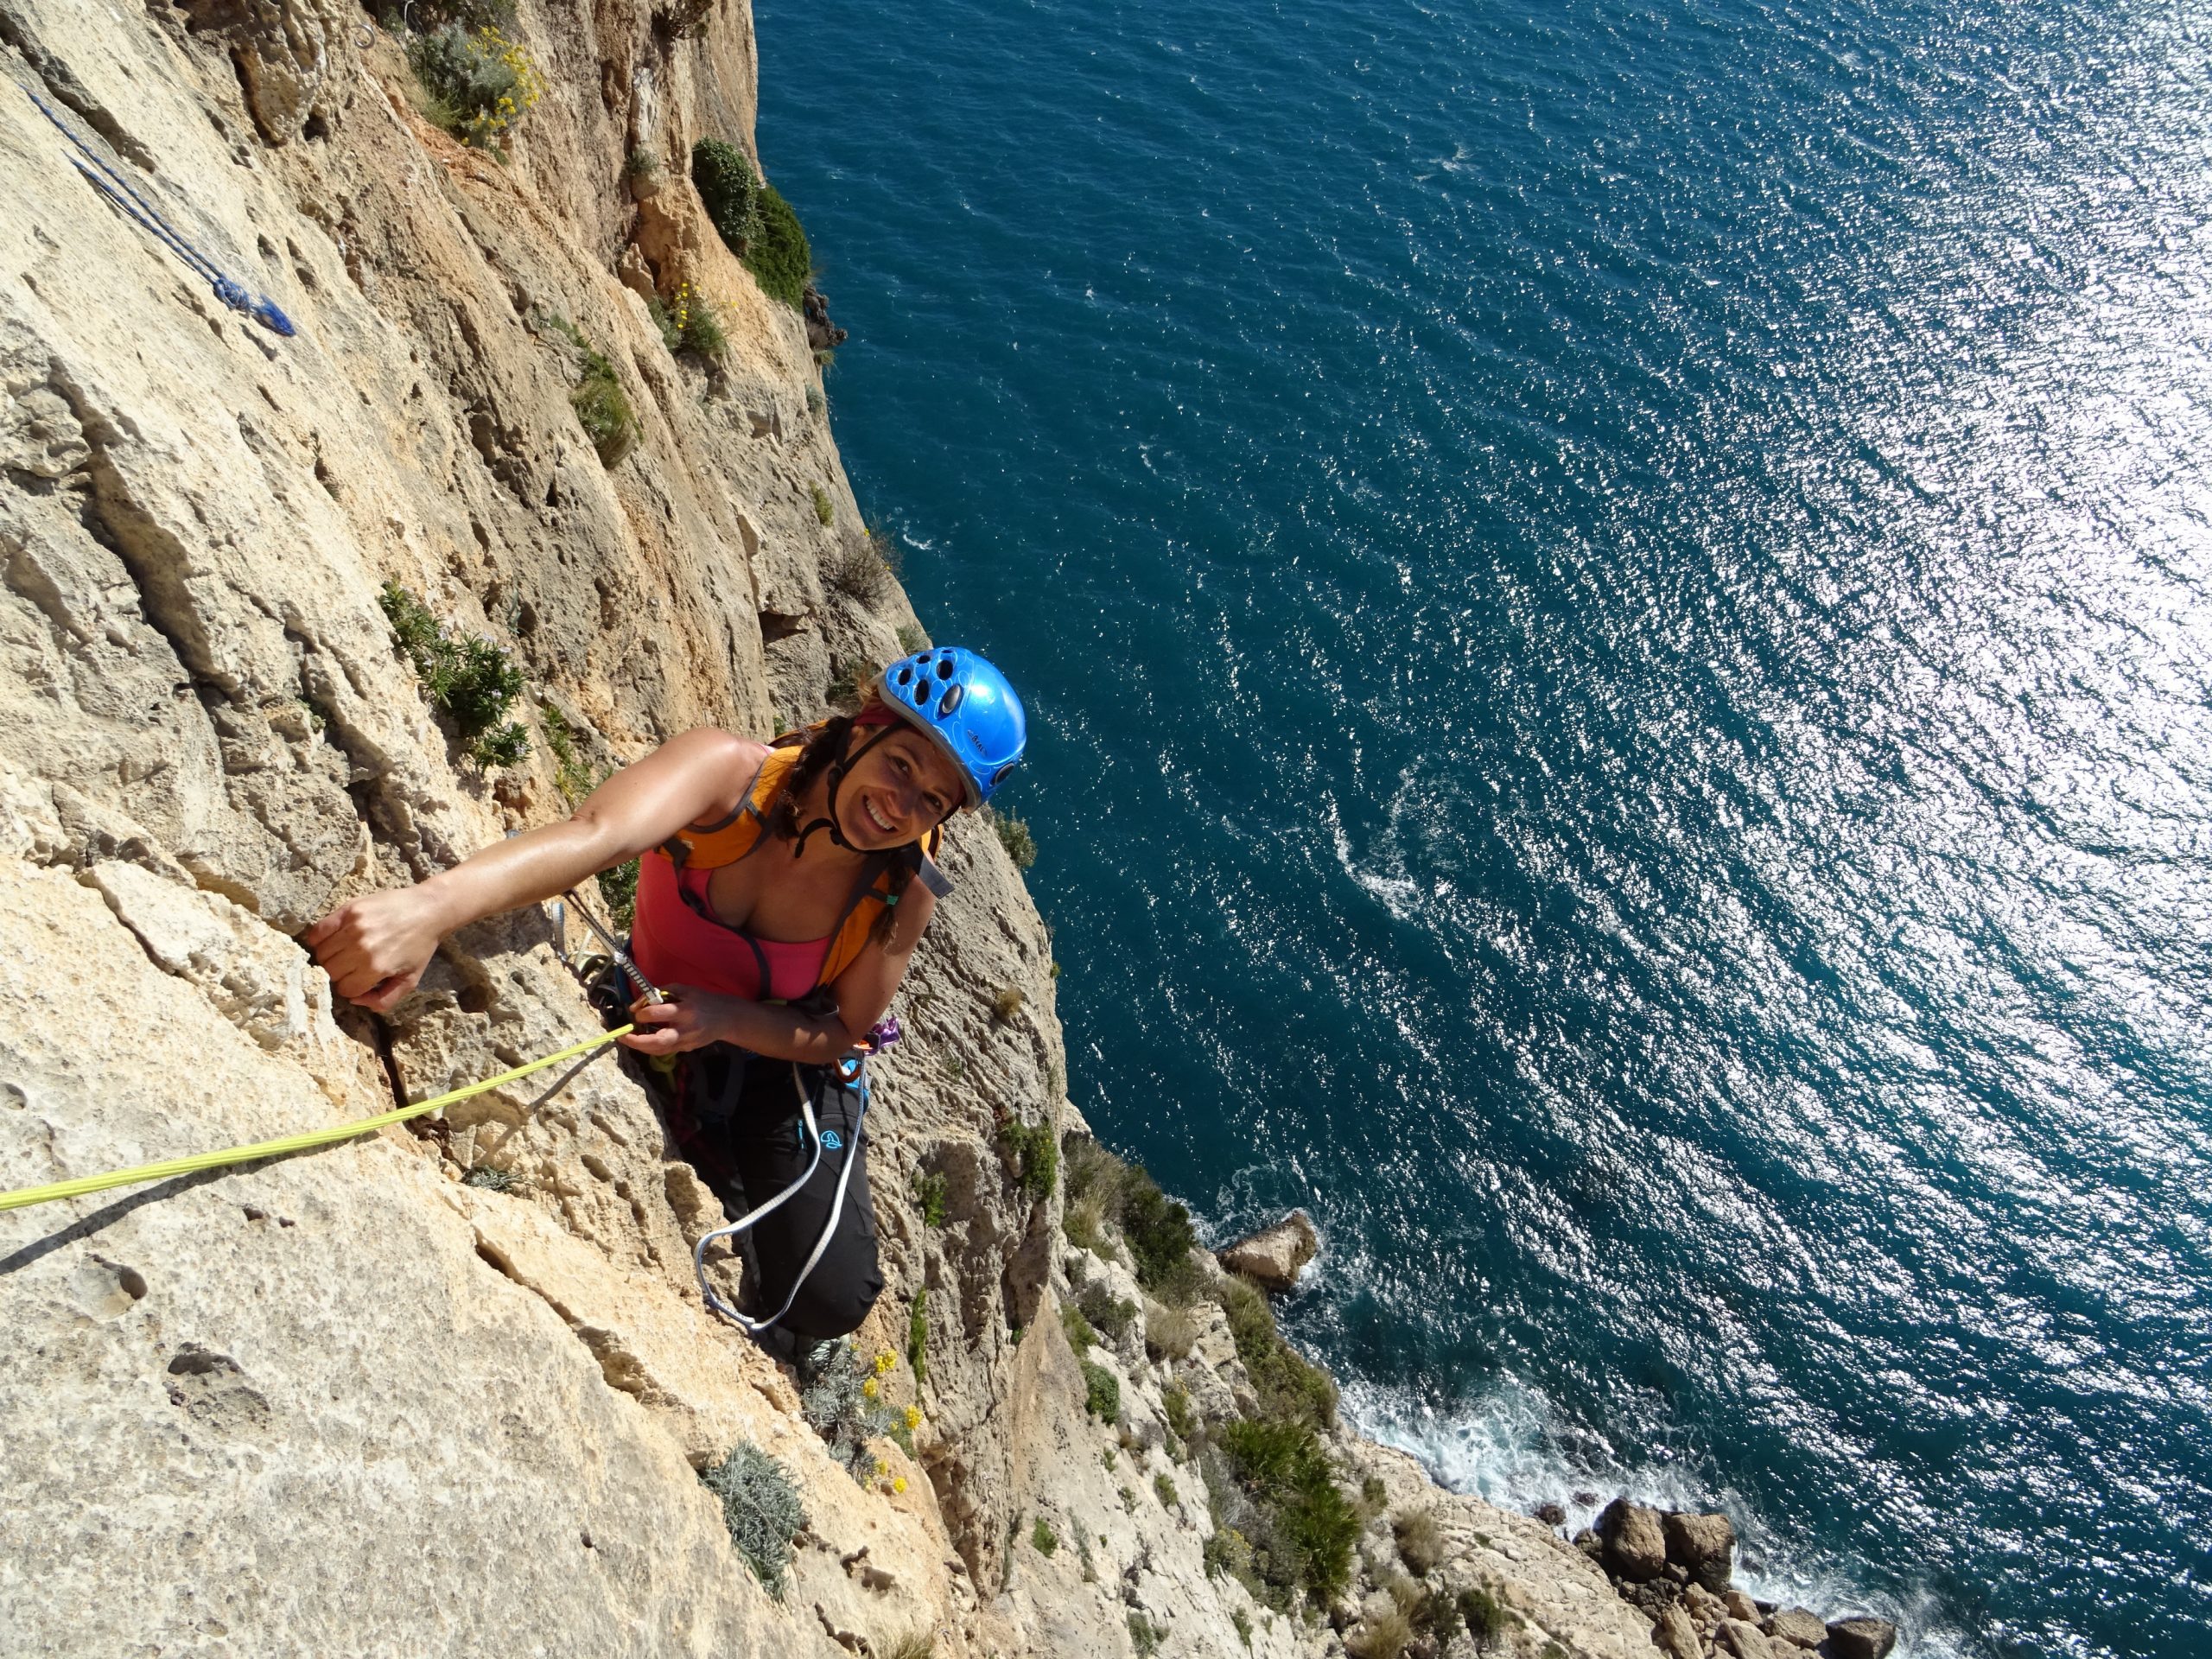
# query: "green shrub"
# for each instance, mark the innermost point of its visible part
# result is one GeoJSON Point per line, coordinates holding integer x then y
{"type": "Point", "coordinates": [571, 775]}
{"type": "Point", "coordinates": [918, 1338]}
{"type": "Point", "coordinates": [1227, 1552]}
{"type": "Point", "coordinates": [491, 1179]}
{"type": "Point", "coordinates": [1484, 1615]}
{"type": "Point", "coordinates": [467, 679]}
{"type": "Point", "coordinates": [1380, 1638]}
{"type": "Point", "coordinates": [911, 640]}
{"type": "Point", "coordinates": [1044, 1539]}
{"type": "Point", "coordinates": [1085, 1221]}
{"type": "Point", "coordinates": [1106, 1312]}
{"type": "Point", "coordinates": [1163, 1488]}
{"type": "Point", "coordinates": [1182, 1417]}
{"type": "Point", "coordinates": [688, 323]}
{"type": "Point", "coordinates": [1036, 1154]}
{"type": "Point", "coordinates": [1157, 1228]}
{"type": "Point", "coordinates": [1014, 835]}
{"type": "Point", "coordinates": [1091, 1169]}
{"type": "Point", "coordinates": [929, 1198]}
{"type": "Point", "coordinates": [1143, 1636]}
{"type": "Point", "coordinates": [618, 888]}
{"type": "Point", "coordinates": [1281, 1468]}
{"type": "Point", "coordinates": [1420, 1542]}
{"type": "Point", "coordinates": [1101, 1392]}
{"type": "Point", "coordinates": [1244, 1623]}
{"type": "Point", "coordinates": [1287, 1386]}
{"type": "Point", "coordinates": [478, 84]}
{"type": "Point", "coordinates": [731, 190]}
{"type": "Point", "coordinates": [1170, 1333]}
{"type": "Point", "coordinates": [779, 256]}
{"type": "Point", "coordinates": [824, 509]}
{"type": "Point", "coordinates": [761, 1507]}
{"type": "Point", "coordinates": [854, 565]}
{"type": "Point", "coordinates": [912, 1644]}
{"type": "Point", "coordinates": [641, 164]}
{"type": "Point", "coordinates": [1081, 1336]}
{"type": "Point", "coordinates": [836, 1400]}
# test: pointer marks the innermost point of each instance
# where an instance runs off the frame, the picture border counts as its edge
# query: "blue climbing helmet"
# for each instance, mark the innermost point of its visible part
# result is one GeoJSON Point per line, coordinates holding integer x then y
{"type": "Point", "coordinates": [967, 706]}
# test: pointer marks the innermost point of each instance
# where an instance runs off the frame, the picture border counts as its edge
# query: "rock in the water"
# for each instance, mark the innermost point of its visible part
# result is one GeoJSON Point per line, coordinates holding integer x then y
{"type": "Point", "coordinates": [1635, 1547]}
{"type": "Point", "coordinates": [1798, 1627]}
{"type": "Point", "coordinates": [1861, 1638]}
{"type": "Point", "coordinates": [1552, 1515]}
{"type": "Point", "coordinates": [1704, 1545]}
{"type": "Point", "coordinates": [1593, 1546]}
{"type": "Point", "coordinates": [1273, 1256]}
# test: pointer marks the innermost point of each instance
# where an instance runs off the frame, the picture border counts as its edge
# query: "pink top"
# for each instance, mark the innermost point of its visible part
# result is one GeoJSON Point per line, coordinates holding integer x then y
{"type": "Point", "coordinates": [676, 941]}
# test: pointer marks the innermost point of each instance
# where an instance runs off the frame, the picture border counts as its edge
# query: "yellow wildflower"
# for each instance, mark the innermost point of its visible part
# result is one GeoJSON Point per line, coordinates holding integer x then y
{"type": "Point", "coordinates": [884, 1360]}
{"type": "Point", "coordinates": [913, 1416]}
{"type": "Point", "coordinates": [868, 1388]}
{"type": "Point", "coordinates": [899, 1484]}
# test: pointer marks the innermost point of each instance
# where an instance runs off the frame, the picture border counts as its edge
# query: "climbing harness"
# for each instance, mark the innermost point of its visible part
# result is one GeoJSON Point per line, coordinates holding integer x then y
{"type": "Point", "coordinates": [852, 1073]}
{"type": "Point", "coordinates": [109, 183]}
{"type": "Point", "coordinates": [23, 1198]}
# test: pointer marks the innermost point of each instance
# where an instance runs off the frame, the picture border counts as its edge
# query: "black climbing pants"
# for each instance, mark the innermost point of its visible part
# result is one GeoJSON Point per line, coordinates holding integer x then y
{"type": "Point", "coordinates": [735, 1118]}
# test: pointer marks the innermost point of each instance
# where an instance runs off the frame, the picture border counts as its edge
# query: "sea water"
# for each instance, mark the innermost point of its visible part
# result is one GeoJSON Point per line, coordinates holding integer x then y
{"type": "Point", "coordinates": [1613, 600]}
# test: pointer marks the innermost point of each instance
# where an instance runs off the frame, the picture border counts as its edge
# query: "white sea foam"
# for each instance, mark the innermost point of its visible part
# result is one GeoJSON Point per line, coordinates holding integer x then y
{"type": "Point", "coordinates": [1510, 1449]}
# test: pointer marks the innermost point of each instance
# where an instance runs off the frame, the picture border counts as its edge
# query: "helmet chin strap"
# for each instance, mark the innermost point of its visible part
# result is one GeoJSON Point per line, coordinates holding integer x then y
{"type": "Point", "coordinates": [837, 771]}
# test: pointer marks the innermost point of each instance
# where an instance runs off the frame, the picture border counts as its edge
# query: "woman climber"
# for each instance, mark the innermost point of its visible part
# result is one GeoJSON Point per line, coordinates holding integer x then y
{"type": "Point", "coordinates": [778, 907]}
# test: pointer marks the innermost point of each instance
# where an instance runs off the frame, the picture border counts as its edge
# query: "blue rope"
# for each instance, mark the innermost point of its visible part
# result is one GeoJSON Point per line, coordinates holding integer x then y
{"type": "Point", "coordinates": [95, 171]}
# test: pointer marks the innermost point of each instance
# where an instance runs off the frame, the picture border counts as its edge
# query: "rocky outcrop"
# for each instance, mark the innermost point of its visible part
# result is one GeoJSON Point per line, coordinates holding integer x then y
{"type": "Point", "coordinates": [1274, 1256]}
{"type": "Point", "coordinates": [450, 1390]}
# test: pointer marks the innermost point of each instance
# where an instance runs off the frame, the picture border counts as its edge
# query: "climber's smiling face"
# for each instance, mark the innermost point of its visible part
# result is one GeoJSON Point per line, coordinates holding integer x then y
{"type": "Point", "coordinates": [897, 792]}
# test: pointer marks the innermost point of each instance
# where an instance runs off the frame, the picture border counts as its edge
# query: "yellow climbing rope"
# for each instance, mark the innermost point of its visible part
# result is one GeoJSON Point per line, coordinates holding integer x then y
{"type": "Point", "coordinates": [24, 1197]}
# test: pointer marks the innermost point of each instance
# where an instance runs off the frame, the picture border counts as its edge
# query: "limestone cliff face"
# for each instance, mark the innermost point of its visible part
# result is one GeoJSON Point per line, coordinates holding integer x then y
{"type": "Point", "coordinates": [346, 1402]}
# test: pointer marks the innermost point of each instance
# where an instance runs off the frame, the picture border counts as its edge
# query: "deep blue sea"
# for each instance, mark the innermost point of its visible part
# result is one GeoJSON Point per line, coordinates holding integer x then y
{"type": "Point", "coordinates": [1617, 607]}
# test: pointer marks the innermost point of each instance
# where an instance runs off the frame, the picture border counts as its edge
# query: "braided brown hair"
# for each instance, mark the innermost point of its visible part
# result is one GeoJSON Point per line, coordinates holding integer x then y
{"type": "Point", "coordinates": [822, 746]}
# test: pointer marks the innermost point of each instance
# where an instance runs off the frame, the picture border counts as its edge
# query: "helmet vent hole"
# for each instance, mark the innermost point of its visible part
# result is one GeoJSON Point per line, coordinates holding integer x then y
{"type": "Point", "coordinates": [944, 668]}
{"type": "Point", "coordinates": [922, 694]}
{"type": "Point", "coordinates": [906, 677]}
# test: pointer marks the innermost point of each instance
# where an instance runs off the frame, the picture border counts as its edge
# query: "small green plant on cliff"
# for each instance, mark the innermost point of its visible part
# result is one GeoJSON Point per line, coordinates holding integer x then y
{"type": "Point", "coordinates": [1242, 1621]}
{"type": "Point", "coordinates": [1102, 1393]}
{"type": "Point", "coordinates": [1157, 1229]}
{"type": "Point", "coordinates": [491, 1179]}
{"type": "Point", "coordinates": [641, 164]}
{"type": "Point", "coordinates": [824, 509]}
{"type": "Point", "coordinates": [1289, 1387]}
{"type": "Point", "coordinates": [1143, 1636]}
{"type": "Point", "coordinates": [929, 1198]}
{"type": "Point", "coordinates": [761, 1507]}
{"type": "Point", "coordinates": [1309, 1525]}
{"type": "Point", "coordinates": [1080, 1335]}
{"type": "Point", "coordinates": [571, 775]}
{"type": "Point", "coordinates": [856, 565]}
{"type": "Point", "coordinates": [1014, 835]}
{"type": "Point", "coordinates": [1484, 1615]}
{"type": "Point", "coordinates": [1420, 1542]}
{"type": "Point", "coordinates": [1036, 1155]}
{"type": "Point", "coordinates": [1385, 1638]}
{"type": "Point", "coordinates": [618, 888]}
{"type": "Point", "coordinates": [842, 1397]}
{"type": "Point", "coordinates": [1005, 1002]}
{"type": "Point", "coordinates": [918, 1338]}
{"type": "Point", "coordinates": [467, 679]}
{"type": "Point", "coordinates": [1045, 1541]}
{"type": "Point", "coordinates": [912, 640]}
{"type": "Point", "coordinates": [730, 189]}
{"type": "Point", "coordinates": [1106, 1312]}
{"type": "Point", "coordinates": [688, 323]}
{"type": "Point", "coordinates": [1163, 1488]}
{"type": "Point", "coordinates": [477, 84]}
{"type": "Point", "coordinates": [778, 257]}
{"type": "Point", "coordinates": [601, 410]}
